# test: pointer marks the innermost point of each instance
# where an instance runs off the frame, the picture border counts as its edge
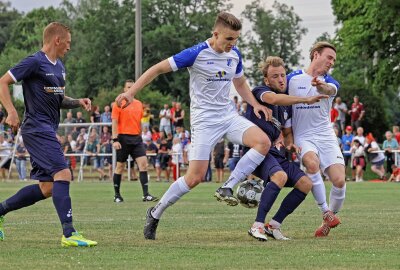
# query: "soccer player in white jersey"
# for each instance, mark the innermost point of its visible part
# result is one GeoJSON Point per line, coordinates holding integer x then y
{"type": "Point", "coordinates": [314, 134]}
{"type": "Point", "coordinates": [213, 65]}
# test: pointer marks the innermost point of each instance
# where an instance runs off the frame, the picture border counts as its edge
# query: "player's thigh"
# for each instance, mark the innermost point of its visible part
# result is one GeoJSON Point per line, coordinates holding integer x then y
{"type": "Point", "coordinates": [309, 155]}
{"type": "Point", "coordinates": [203, 140]}
{"type": "Point", "coordinates": [46, 155]}
{"type": "Point", "coordinates": [267, 168]}
{"type": "Point", "coordinates": [242, 131]}
{"type": "Point", "coordinates": [330, 154]}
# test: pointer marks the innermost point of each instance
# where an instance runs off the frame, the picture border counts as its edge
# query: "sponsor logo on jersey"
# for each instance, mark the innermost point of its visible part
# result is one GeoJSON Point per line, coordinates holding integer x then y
{"type": "Point", "coordinates": [219, 76]}
{"type": "Point", "coordinates": [210, 63]}
{"type": "Point", "coordinates": [49, 74]}
{"type": "Point", "coordinates": [301, 87]}
{"type": "Point", "coordinates": [56, 90]}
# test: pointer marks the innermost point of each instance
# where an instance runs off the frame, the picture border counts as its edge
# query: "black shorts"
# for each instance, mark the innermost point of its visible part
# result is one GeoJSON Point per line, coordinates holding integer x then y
{"type": "Point", "coordinates": [219, 162]}
{"type": "Point", "coordinates": [130, 145]}
{"type": "Point", "coordinates": [7, 164]}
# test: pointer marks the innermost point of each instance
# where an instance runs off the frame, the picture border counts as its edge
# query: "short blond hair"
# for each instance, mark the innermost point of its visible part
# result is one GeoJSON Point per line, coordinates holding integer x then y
{"type": "Point", "coordinates": [274, 61]}
{"type": "Point", "coordinates": [319, 46]}
{"type": "Point", "coordinates": [228, 20]}
{"type": "Point", "coordinates": [54, 28]}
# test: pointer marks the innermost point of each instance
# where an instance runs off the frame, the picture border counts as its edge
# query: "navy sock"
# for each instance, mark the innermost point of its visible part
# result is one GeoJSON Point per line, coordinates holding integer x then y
{"type": "Point", "coordinates": [117, 183]}
{"type": "Point", "coordinates": [289, 204]}
{"type": "Point", "coordinates": [268, 198]}
{"type": "Point", "coordinates": [62, 203]}
{"type": "Point", "coordinates": [26, 196]}
{"type": "Point", "coordinates": [144, 180]}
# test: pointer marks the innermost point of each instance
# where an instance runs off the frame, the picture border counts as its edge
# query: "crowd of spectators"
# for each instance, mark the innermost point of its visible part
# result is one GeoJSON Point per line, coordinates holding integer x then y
{"type": "Point", "coordinates": [167, 143]}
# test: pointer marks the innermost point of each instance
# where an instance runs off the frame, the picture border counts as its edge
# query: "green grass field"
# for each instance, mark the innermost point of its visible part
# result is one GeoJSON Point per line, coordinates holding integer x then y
{"type": "Point", "coordinates": [200, 233]}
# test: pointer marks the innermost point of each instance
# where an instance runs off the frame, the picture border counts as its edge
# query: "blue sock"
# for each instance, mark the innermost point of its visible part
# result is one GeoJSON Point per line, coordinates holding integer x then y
{"type": "Point", "coordinates": [62, 203]}
{"type": "Point", "coordinates": [268, 198]}
{"type": "Point", "coordinates": [26, 196]}
{"type": "Point", "coordinates": [289, 204]}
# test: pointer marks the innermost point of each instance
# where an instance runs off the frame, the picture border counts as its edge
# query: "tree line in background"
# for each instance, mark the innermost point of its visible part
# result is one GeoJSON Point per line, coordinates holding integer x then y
{"type": "Point", "coordinates": [103, 49]}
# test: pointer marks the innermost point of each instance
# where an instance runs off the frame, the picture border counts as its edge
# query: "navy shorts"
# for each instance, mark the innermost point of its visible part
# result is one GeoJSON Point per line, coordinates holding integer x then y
{"type": "Point", "coordinates": [46, 155]}
{"type": "Point", "coordinates": [275, 162]}
{"type": "Point", "coordinates": [130, 145]}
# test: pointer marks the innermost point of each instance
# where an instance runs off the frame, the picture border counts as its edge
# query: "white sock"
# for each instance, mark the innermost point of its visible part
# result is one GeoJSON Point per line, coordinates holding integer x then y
{"type": "Point", "coordinates": [258, 225]}
{"type": "Point", "coordinates": [274, 224]}
{"type": "Point", "coordinates": [246, 165]}
{"type": "Point", "coordinates": [336, 198]}
{"type": "Point", "coordinates": [318, 191]}
{"type": "Point", "coordinates": [171, 196]}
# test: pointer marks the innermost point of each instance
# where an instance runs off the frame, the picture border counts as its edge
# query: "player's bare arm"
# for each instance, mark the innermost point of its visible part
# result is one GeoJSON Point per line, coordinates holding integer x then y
{"type": "Point", "coordinates": [5, 99]}
{"type": "Point", "coordinates": [147, 77]}
{"type": "Point", "coordinates": [72, 103]}
{"type": "Point", "coordinates": [323, 87]}
{"type": "Point", "coordinates": [245, 92]}
{"type": "Point", "coordinates": [114, 129]}
{"type": "Point", "coordinates": [288, 140]}
{"type": "Point", "coordinates": [286, 100]}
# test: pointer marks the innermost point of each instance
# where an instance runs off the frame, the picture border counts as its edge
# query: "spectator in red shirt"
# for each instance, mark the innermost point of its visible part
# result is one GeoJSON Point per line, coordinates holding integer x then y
{"type": "Point", "coordinates": [334, 115]}
{"type": "Point", "coordinates": [357, 113]}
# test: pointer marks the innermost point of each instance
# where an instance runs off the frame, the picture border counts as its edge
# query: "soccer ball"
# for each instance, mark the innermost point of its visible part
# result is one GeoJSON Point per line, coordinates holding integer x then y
{"type": "Point", "coordinates": [249, 193]}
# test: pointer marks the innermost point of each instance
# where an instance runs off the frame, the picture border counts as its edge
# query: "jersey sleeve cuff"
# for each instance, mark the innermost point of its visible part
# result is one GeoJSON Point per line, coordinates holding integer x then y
{"type": "Point", "coordinates": [238, 75]}
{"type": "Point", "coordinates": [12, 76]}
{"type": "Point", "coordinates": [172, 63]}
{"type": "Point", "coordinates": [288, 123]}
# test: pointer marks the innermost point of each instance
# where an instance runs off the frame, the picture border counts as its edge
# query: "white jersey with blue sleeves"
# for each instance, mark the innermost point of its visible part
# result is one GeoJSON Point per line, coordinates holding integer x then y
{"type": "Point", "coordinates": [310, 120]}
{"type": "Point", "coordinates": [211, 75]}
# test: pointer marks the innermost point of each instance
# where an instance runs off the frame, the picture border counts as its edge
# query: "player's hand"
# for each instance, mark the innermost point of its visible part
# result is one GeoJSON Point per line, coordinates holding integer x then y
{"type": "Point", "coordinates": [13, 121]}
{"type": "Point", "coordinates": [116, 145]}
{"type": "Point", "coordinates": [293, 148]}
{"type": "Point", "coordinates": [260, 108]}
{"type": "Point", "coordinates": [315, 99]}
{"type": "Point", "coordinates": [121, 97]}
{"type": "Point", "coordinates": [85, 103]}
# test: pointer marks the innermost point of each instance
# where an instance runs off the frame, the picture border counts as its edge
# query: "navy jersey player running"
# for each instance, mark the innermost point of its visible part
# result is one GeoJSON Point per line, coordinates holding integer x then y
{"type": "Point", "coordinates": [276, 170]}
{"type": "Point", "coordinates": [43, 82]}
{"type": "Point", "coordinates": [213, 66]}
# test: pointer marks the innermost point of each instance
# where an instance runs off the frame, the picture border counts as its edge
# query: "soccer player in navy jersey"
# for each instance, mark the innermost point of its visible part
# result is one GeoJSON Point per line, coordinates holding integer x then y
{"type": "Point", "coordinates": [43, 82]}
{"type": "Point", "coordinates": [313, 132]}
{"type": "Point", "coordinates": [276, 170]}
{"type": "Point", "coordinates": [213, 66]}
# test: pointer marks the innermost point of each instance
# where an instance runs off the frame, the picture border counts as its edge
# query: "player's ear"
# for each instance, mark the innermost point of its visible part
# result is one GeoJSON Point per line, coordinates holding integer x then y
{"type": "Point", "coordinates": [266, 81]}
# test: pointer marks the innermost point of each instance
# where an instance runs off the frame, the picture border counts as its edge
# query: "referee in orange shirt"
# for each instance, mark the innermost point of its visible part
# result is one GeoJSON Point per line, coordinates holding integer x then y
{"type": "Point", "coordinates": [127, 140]}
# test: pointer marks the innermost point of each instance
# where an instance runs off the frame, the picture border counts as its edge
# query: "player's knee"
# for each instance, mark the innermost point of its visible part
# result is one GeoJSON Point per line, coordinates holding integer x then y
{"type": "Point", "coordinates": [193, 181]}
{"type": "Point", "coordinates": [46, 188]}
{"type": "Point", "coordinates": [304, 184]}
{"type": "Point", "coordinates": [338, 181]}
{"type": "Point", "coordinates": [63, 175]}
{"type": "Point", "coordinates": [312, 166]}
{"type": "Point", "coordinates": [279, 178]}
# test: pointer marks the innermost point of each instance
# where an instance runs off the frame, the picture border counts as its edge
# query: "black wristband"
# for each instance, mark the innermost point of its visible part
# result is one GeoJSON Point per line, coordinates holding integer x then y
{"type": "Point", "coordinates": [115, 140]}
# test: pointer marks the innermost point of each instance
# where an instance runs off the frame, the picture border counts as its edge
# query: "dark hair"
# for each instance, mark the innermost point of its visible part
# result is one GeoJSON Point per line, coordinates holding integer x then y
{"type": "Point", "coordinates": [228, 20]}
{"type": "Point", "coordinates": [129, 81]}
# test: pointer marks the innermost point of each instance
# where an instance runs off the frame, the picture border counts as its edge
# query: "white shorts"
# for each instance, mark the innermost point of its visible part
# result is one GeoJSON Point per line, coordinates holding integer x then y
{"type": "Point", "coordinates": [327, 150]}
{"type": "Point", "coordinates": [206, 135]}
